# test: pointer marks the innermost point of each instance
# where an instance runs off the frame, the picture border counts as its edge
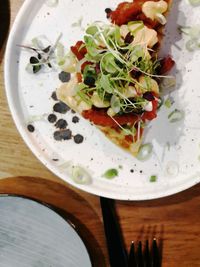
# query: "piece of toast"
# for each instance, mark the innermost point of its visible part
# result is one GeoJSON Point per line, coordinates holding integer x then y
{"type": "Point", "coordinates": [115, 127]}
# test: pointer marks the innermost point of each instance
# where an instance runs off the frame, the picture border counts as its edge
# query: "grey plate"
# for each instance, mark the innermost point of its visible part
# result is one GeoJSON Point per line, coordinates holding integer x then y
{"type": "Point", "coordinates": [33, 235]}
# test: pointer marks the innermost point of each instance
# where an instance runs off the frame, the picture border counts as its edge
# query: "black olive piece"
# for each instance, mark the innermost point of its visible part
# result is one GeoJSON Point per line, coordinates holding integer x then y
{"type": "Point", "coordinates": [129, 38]}
{"type": "Point", "coordinates": [90, 81]}
{"type": "Point", "coordinates": [54, 96]}
{"type": "Point", "coordinates": [108, 10]}
{"type": "Point", "coordinates": [64, 76]}
{"type": "Point", "coordinates": [61, 124]}
{"type": "Point", "coordinates": [61, 107]}
{"type": "Point", "coordinates": [75, 119]}
{"type": "Point", "coordinates": [148, 96]}
{"type": "Point", "coordinates": [78, 138]}
{"type": "Point", "coordinates": [31, 128]}
{"type": "Point", "coordinates": [39, 56]}
{"type": "Point", "coordinates": [52, 118]}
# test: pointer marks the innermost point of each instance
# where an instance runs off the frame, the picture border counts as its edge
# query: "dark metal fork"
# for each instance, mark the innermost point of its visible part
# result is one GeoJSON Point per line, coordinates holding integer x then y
{"type": "Point", "coordinates": [117, 252]}
{"type": "Point", "coordinates": [147, 257]}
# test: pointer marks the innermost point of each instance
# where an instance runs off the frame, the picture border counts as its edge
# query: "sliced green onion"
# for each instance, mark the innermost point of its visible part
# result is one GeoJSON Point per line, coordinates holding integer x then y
{"type": "Point", "coordinates": [176, 115]}
{"type": "Point", "coordinates": [153, 178]}
{"type": "Point", "coordinates": [78, 23]}
{"type": "Point", "coordinates": [172, 168]}
{"type": "Point", "coordinates": [51, 3]}
{"type": "Point", "coordinates": [110, 174]}
{"type": "Point", "coordinates": [191, 45]}
{"type": "Point", "coordinates": [194, 2]}
{"type": "Point", "coordinates": [145, 152]}
{"type": "Point", "coordinates": [80, 175]}
{"type": "Point", "coordinates": [168, 102]}
{"type": "Point", "coordinates": [168, 83]}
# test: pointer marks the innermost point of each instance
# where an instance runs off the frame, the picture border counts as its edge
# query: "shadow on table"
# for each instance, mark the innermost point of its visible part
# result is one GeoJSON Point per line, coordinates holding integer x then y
{"type": "Point", "coordinates": [4, 25]}
{"type": "Point", "coordinates": [177, 198]}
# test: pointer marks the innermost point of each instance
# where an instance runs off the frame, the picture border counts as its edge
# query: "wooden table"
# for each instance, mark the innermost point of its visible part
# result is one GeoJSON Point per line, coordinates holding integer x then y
{"type": "Point", "coordinates": [175, 220]}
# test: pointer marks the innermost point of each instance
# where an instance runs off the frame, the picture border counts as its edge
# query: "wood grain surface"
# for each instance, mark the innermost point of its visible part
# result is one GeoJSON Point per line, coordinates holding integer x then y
{"type": "Point", "coordinates": [173, 220]}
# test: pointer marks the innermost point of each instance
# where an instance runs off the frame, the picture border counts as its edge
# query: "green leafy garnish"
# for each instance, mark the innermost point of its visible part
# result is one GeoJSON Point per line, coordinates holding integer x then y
{"type": "Point", "coordinates": [168, 102]}
{"type": "Point", "coordinates": [110, 174]}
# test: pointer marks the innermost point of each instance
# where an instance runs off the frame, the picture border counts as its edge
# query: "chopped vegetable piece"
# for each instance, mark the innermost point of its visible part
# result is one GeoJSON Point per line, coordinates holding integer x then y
{"type": "Point", "coordinates": [168, 102]}
{"type": "Point", "coordinates": [110, 174]}
{"type": "Point", "coordinates": [153, 178]}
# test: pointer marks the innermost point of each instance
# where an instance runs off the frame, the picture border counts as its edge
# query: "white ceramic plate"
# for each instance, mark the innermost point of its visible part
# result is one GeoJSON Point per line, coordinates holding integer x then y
{"type": "Point", "coordinates": [176, 150]}
{"type": "Point", "coordinates": [33, 235]}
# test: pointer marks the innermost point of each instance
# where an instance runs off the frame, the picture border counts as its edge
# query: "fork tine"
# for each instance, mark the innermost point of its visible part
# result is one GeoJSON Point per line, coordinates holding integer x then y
{"type": "Point", "coordinates": [131, 259]}
{"type": "Point", "coordinates": [147, 257]}
{"type": "Point", "coordinates": [140, 255]}
{"type": "Point", "coordinates": [155, 254]}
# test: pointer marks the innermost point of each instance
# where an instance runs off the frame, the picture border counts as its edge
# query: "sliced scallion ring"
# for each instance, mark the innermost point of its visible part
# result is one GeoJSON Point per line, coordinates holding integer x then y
{"type": "Point", "coordinates": [51, 3]}
{"type": "Point", "coordinates": [194, 2]}
{"type": "Point", "coordinates": [176, 115]}
{"type": "Point", "coordinates": [145, 152]}
{"type": "Point", "coordinates": [80, 175]}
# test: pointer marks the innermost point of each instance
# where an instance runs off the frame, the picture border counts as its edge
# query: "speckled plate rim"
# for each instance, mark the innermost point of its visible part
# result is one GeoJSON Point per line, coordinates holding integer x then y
{"type": "Point", "coordinates": [154, 194]}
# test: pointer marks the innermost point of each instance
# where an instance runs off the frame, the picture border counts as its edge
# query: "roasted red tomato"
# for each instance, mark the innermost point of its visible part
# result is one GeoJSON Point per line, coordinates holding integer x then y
{"type": "Point", "coordinates": [150, 115]}
{"type": "Point", "coordinates": [125, 12]}
{"type": "Point", "coordinates": [100, 117]}
{"type": "Point", "coordinates": [166, 64]}
{"type": "Point", "coordinates": [78, 51]}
